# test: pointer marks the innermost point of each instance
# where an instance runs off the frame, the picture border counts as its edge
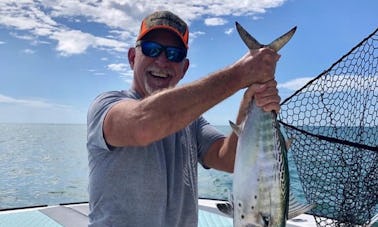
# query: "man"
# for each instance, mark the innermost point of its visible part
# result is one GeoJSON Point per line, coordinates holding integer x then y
{"type": "Point", "coordinates": [144, 143]}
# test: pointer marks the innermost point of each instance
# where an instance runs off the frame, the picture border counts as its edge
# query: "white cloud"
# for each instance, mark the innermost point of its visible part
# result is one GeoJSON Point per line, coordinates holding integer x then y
{"type": "Point", "coordinates": [215, 21]}
{"type": "Point", "coordinates": [127, 76]}
{"type": "Point", "coordinates": [99, 73]}
{"type": "Point", "coordinates": [229, 31]}
{"type": "Point", "coordinates": [335, 83]}
{"type": "Point", "coordinates": [194, 35]}
{"type": "Point", "coordinates": [28, 51]}
{"type": "Point", "coordinates": [121, 18]}
{"type": "Point", "coordinates": [34, 40]}
{"type": "Point", "coordinates": [24, 37]}
{"type": "Point", "coordinates": [256, 17]}
{"type": "Point", "coordinates": [118, 67]}
{"type": "Point", "coordinates": [2, 42]}
{"type": "Point", "coordinates": [124, 70]}
{"type": "Point", "coordinates": [36, 103]}
{"type": "Point", "coordinates": [295, 84]}
{"type": "Point", "coordinates": [76, 42]}
{"type": "Point", "coordinates": [38, 111]}
{"type": "Point", "coordinates": [73, 42]}
{"type": "Point", "coordinates": [343, 83]}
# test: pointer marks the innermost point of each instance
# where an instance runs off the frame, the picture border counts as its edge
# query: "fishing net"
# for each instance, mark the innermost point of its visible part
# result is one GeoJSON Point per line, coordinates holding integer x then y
{"type": "Point", "coordinates": [333, 124]}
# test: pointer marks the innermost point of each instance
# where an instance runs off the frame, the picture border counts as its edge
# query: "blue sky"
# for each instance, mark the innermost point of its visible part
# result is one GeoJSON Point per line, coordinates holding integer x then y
{"type": "Point", "coordinates": [56, 56]}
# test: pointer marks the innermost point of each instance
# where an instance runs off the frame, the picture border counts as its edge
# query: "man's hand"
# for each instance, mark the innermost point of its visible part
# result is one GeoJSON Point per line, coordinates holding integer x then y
{"type": "Point", "coordinates": [265, 95]}
{"type": "Point", "coordinates": [257, 66]}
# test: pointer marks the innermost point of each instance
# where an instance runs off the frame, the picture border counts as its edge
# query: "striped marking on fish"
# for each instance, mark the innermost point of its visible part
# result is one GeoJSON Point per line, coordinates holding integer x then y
{"type": "Point", "coordinates": [261, 176]}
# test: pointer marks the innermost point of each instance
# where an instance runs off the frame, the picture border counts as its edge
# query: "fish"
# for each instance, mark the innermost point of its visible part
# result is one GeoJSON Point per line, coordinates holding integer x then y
{"type": "Point", "coordinates": [261, 182]}
{"type": "Point", "coordinates": [253, 44]}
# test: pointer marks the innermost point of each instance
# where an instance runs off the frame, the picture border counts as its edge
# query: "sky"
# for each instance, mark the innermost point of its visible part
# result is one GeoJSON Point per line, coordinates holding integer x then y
{"type": "Point", "coordinates": [58, 55]}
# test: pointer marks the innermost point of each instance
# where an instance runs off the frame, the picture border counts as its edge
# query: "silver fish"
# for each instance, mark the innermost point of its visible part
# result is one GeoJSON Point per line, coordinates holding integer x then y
{"type": "Point", "coordinates": [260, 195]}
{"type": "Point", "coordinates": [253, 44]}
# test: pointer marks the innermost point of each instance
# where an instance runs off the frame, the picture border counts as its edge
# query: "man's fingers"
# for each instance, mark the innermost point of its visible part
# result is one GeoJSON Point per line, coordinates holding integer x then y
{"type": "Point", "coordinates": [268, 98]}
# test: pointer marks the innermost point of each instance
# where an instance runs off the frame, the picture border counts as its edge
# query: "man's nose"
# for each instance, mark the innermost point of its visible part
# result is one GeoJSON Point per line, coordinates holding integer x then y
{"type": "Point", "coordinates": [162, 59]}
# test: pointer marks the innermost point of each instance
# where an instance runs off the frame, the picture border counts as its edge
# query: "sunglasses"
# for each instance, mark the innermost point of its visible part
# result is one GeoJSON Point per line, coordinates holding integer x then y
{"type": "Point", "coordinates": [153, 50]}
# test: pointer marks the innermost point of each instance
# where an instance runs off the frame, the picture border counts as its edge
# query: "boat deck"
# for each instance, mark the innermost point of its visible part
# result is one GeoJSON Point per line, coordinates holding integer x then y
{"type": "Point", "coordinates": [77, 215]}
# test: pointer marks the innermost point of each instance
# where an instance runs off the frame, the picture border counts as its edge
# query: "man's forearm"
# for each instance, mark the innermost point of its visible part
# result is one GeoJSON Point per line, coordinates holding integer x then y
{"type": "Point", "coordinates": [168, 111]}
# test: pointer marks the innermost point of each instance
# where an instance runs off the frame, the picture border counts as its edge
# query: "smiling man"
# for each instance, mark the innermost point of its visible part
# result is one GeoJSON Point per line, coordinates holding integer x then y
{"type": "Point", "coordinates": [144, 143]}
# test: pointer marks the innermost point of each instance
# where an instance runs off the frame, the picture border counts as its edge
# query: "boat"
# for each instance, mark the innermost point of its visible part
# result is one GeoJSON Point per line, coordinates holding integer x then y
{"type": "Point", "coordinates": [76, 215]}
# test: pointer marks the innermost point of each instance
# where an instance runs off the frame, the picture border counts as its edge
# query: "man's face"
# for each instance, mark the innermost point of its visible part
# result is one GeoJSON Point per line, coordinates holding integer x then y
{"type": "Point", "coordinates": [154, 74]}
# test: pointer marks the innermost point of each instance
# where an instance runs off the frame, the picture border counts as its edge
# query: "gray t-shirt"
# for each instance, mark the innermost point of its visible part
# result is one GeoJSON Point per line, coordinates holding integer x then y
{"type": "Point", "coordinates": [155, 185]}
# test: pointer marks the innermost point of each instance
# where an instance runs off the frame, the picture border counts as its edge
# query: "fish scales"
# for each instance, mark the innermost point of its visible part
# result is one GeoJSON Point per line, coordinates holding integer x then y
{"type": "Point", "coordinates": [260, 184]}
{"type": "Point", "coordinates": [260, 195]}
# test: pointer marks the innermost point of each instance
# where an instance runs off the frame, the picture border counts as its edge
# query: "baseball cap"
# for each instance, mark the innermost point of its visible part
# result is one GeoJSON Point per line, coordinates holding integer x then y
{"type": "Point", "coordinates": [165, 20]}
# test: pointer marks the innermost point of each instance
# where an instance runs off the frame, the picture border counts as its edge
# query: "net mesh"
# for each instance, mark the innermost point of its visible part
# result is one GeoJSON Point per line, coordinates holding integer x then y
{"type": "Point", "coordinates": [333, 124]}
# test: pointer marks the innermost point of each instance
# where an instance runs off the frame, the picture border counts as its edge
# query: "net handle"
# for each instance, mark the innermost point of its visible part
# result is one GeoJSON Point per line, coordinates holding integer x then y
{"type": "Point", "coordinates": [326, 71]}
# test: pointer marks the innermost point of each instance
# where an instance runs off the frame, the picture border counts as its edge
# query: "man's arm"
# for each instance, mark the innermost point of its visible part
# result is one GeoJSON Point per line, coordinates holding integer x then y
{"type": "Point", "coordinates": [221, 154]}
{"type": "Point", "coordinates": [141, 122]}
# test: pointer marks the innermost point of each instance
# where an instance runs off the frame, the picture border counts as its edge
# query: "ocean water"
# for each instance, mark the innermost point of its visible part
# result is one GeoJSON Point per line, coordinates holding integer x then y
{"type": "Point", "coordinates": [46, 164]}
{"type": "Point", "coordinates": [42, 164]}
{"type": "Point", "coordinates": [218, 185]}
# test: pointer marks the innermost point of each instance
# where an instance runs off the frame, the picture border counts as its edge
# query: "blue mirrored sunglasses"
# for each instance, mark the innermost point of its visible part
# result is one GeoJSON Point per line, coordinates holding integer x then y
{"type": "Point", "coordinates": [153, 49]}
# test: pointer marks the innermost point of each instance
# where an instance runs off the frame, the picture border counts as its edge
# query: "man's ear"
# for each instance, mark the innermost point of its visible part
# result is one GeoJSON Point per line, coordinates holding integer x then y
{"type": "Point", "coordinates": [185, 67]}
{"type": "Point", "coordinates": [131, 57]}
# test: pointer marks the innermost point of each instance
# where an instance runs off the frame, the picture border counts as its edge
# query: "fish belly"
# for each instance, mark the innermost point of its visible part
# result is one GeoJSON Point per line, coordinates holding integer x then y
{"type": "Point", "coordinates": [259, 187]}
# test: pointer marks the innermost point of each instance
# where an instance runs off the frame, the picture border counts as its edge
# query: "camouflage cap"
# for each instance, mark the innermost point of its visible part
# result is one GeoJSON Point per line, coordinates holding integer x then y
{"type": "Point", "coordinates": [165, 20]}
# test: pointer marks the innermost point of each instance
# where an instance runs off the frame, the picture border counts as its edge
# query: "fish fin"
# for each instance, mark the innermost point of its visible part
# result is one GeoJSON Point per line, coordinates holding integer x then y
{"type": "Point", "coordinates": [251, 42]}
{"type": "Point", "coordinates": [278, 43]}
{"type": "Point", "coordinates": [296, 208]}
{"type": "Point", "coordinates": [288, 143]}
{"type": "Point", "coordinates": [284, 140]}
{"type": "Point", "coordinates": [226, 208]}
{"type": "Point", "coordinates": [237, 129]}
{"type": "Point", "coordinates": [285, 143]}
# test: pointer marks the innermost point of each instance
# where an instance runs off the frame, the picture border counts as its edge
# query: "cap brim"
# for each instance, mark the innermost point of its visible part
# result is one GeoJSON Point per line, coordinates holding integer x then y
{"type": "Point", "coordinates": [164, 27]}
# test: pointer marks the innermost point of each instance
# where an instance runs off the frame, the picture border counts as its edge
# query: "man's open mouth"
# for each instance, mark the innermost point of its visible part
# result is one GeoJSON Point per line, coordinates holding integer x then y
{"type": "Point", "coordinates": [159, 75]}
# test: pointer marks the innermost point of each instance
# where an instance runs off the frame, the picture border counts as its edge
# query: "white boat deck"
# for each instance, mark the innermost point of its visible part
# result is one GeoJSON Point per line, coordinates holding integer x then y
{"type": "Point", "coordinates": [76, 215]}
{"type": "Point", "coordinates": [303, 220]}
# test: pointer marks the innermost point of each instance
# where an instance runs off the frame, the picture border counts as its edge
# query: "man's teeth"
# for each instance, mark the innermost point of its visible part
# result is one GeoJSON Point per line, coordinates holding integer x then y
{"type": "Point", "coordinates": [161, 75]}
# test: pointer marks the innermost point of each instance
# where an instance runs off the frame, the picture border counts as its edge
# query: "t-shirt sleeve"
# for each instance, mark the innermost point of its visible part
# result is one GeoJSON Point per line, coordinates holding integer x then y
{"type": "Point", "coordinates": [95, 118]}
{"type": "Point", "coordinates": [206, 136]}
